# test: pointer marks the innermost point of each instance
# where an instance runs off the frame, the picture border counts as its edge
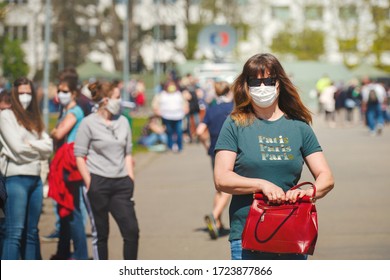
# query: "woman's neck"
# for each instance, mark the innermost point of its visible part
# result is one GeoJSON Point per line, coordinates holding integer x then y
{"type": "Point", "coordinates": [271, 113]}
{"type": "Point", "coordinates": [70, 105]}
{"type": "Point", "coordinates": [104, 114]}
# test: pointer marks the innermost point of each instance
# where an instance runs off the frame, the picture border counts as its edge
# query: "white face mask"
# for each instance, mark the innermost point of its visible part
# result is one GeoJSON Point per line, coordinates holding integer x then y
{"type": "Point", "coordinates": [64, 98]}
{"type": "Point", "coordinates": [25, 100]}
{"type": "Point", "coordinates": [114, 106]}
{"type": "Point", "coordinates": [263, 96]}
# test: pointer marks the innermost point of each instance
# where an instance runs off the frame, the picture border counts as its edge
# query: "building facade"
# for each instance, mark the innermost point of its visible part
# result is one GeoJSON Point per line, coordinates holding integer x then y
{"type": "Point", "coordinates": [351, 28]}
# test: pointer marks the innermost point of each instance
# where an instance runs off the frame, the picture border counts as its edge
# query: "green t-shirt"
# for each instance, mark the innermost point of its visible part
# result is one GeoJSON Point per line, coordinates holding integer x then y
{"type": "Point", "coordinates": [269, 150]}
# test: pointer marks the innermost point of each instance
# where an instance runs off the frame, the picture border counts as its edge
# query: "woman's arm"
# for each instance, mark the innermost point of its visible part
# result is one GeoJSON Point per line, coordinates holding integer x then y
{"type": "Point", "coordinates": [203, 135]}
{"type": "Point", "coordinates": [322, 174]}
{"type": "Point", "coordinates": [130, 166]}
{"type": "Point", "coordinates": [16, 147]}
{"type": "Point", "coordinates": [64, 127]}
{"type": "Point", "coordinates": [44, 145]}
{"type": "Point", "coordinates": [82, 167]}
{"type": "Point", "coordinates": [226, 180]}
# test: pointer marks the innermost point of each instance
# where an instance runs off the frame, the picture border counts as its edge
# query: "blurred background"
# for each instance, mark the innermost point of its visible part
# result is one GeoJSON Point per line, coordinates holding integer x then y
{"type": "Point", "coordinates": [132, 40]}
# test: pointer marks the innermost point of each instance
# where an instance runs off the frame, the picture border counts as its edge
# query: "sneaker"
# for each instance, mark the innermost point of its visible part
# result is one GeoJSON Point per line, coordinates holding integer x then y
{"type": "Point", "coordinates": [52, 237]}
{"type": "Point", "coordinates": [379, 130]}
{"type": "Point", "coordinates": [211, 226]}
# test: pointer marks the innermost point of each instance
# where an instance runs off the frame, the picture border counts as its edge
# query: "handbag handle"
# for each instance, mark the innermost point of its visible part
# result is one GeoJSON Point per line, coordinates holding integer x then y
{"type": "Point", "coordinates": [310, 199]}
{"type": "Point", "coordinates": [306, 183]}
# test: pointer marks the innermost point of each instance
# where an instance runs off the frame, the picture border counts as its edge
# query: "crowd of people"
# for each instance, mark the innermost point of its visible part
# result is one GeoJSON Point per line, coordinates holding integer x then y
{"type": "Point", "coordinates": [91, 167]}
{"type": "Point", "coordinates": [364, 102]}
{"type": "Point", "coordinates": [86, 159]}
{"type": "Point", "coordinates": [79, 188]}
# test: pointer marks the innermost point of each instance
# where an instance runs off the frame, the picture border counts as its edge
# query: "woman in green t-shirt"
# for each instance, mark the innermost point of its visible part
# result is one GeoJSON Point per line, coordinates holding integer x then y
{"type": "Point", "coordinates": [263, 145]}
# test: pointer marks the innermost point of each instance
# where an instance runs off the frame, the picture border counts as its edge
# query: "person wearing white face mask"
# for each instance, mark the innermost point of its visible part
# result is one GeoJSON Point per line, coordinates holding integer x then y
{"type": "Point", "coordinates": [24, 145]}
{"type": "Point", "coordinates": [262, 147]}
{"type": "Point", "coordinates": [263, 95]}
{"type": "Point", "coordinates": [103, 150]}
{"type": "Point", "coordinates": [71, 224]}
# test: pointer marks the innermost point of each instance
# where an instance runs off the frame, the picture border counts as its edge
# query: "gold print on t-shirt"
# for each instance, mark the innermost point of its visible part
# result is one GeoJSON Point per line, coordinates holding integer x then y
{"type": "Point", "coordinates": [275, 148]}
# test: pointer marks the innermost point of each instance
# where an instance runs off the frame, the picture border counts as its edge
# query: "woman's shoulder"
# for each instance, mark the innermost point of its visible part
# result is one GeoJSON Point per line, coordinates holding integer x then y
{"type": "Point", "coordinates": [122, 120]}
{"type": "Point", "coordinates": [296, 122]}
{"type": "Point", "coordinates": [77, 111]}
{"type": "Point", "coordinates": [299, 125]}
{"type": "Point", "coordinates": [90, 119]}
{"type": "Point", "coordinates": [7, 114]}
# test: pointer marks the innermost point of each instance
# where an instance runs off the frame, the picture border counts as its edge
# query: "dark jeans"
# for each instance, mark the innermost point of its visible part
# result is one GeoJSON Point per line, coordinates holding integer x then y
{"type": "Point", "coordinates": [72, 228]}
{"type": "Point", "coordinates": [174, 129]}
{"type": "Point", "coordinates": [114, 195]}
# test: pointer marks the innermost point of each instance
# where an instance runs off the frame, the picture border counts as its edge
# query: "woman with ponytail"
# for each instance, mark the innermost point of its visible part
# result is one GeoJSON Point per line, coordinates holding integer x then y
{"type": "Point", "coordinates": [103, 151]}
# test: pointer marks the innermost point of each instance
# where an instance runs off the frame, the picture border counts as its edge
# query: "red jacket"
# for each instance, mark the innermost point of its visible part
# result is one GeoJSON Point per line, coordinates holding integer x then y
{"type": "Point", "coordinates": [64, 162]}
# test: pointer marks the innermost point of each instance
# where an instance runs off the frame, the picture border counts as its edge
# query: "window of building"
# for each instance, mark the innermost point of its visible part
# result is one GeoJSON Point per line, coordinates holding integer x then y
{"type": "Point", "coordinates": [16, 33]}
{"type": "Point", "coordinates": [314, 12]}
{"type": "Point", "coordinates": [380, 13]}
{"type": "Point", "coordinates": [164, 2]}
{"type": "Point", "coordinates": [348, 12]}
{"type": "Point", "coordinates": [281, 12]}
{"type": "Point", "coordinates": [167, 32]}
{"type": "Point", "coordinates": [17, 1]}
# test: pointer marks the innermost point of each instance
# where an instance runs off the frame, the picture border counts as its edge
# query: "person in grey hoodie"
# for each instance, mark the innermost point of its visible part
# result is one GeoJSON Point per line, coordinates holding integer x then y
{"type": "Point", "coordinates": [24, 145]}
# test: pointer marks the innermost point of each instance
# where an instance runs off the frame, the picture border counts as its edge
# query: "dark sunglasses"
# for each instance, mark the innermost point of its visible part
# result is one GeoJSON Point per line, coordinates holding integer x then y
{"type": "Point", "coordinates": [64, 91]}
{"type": "Point", "coordinates": [252, 82]}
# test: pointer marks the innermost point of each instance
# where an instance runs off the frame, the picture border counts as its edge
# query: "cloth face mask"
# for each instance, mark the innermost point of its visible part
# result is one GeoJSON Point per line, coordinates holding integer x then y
{"type": "Point", "coordinates": [263, 96]}
{"type": "Point", "coordinates": [114, 106]}
{"type": "Point", "coordinates": [25, 100]}
{"type": "Point", "coordinates": [64, 98]}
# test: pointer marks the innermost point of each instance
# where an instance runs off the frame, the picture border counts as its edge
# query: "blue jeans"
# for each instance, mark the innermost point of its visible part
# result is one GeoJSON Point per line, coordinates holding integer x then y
{"type": "Point", "coordinates": [72, 228]}
{"type": "Point", "coordinates": [83, 209]}
{"type": "Point", "coordinates": [174, 128]}
{"type": "Point", "coordinates": [237, 253]}
{"type": "Point", "coordinates": [374, 116]}
{"type": "Point", "coordinates": [22, 210]}
{"type": "Point", "coordinates": [153, 139]}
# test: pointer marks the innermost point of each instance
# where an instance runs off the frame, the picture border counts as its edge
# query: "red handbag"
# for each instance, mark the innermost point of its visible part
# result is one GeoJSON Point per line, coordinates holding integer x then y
{"type": "Point", "coordinates": [282, 228]}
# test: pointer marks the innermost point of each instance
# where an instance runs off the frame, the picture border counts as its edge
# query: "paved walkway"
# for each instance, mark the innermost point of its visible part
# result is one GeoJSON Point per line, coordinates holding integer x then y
{"type": "Point", "coordinates": [175, 191]}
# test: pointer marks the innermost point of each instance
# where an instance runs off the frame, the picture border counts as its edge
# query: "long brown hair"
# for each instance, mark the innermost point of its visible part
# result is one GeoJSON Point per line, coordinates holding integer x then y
{"type": "Point", "coordinates": [289, 100]}
{"type": "Point", "coordinates": [30, 117]}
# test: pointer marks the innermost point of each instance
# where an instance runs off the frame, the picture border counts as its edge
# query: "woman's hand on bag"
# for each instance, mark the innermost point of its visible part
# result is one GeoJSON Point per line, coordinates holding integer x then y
{"type": "Point", "coordinates": [274, 193]}
{"type": "Point", "coordinates": [293, 195]}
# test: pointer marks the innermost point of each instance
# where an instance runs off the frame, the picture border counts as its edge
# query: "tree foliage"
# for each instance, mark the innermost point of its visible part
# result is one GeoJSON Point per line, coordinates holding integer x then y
{"type": "Point", "coordinates": [13, 63]}
{"type": "Point", "coordinates": [305, 45]}
{"type": "Point", "coordinates": [80, 27]}
{"type": "Point", "coordinates": [11, 53]}
{"type": "Point", "coordinates": [381, 42]}
{"type": "Point", "coordinates": [72, 38]}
